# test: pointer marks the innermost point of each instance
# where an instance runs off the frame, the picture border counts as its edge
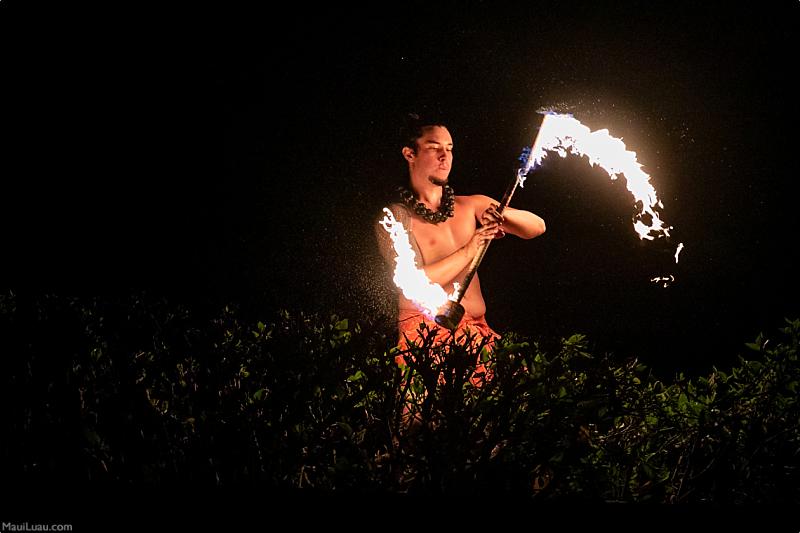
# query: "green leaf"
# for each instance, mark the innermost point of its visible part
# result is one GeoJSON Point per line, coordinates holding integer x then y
{"type": "Point", "coordinates": [575, 339]}
{"type": "Point", "coordinates": [515, 347]}
{"type": "Point", "coordinates": [355, 377]}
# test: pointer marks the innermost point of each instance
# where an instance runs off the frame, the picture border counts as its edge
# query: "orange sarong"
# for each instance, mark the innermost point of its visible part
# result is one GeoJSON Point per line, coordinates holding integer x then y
{"type": "Point", "coordinates": [408, 325]}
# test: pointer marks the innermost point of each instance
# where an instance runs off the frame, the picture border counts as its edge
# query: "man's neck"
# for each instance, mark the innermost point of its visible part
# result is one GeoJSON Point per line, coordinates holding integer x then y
{"type": "Point", "coordinates": [428, 193]}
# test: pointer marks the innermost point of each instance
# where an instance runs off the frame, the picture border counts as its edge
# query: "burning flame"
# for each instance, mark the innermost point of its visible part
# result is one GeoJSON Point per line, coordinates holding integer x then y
{"type": "Point", "coordinates": [416, 286]}
{"type": "Point", "coordinates": [678, 252]}
{"type": "Point", "coordinates": [564, 134]}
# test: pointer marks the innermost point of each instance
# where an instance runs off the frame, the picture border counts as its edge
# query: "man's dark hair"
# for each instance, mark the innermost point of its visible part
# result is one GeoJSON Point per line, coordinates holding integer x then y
{"type": "Point", "coordinates": [414, 127]}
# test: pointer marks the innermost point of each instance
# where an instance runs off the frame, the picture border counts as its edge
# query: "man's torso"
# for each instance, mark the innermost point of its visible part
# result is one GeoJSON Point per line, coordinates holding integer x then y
{"type": "Point", "coordinates": [437, 241]}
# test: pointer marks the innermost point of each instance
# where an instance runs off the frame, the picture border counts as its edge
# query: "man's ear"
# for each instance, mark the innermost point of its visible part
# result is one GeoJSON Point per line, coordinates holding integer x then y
{"type": "Point", "coordinates": [408, 153]}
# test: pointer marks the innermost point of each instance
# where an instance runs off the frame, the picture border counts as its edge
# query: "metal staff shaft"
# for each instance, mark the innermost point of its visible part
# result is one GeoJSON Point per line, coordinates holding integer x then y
{"type": "Point", "coordinates": [451, 313]}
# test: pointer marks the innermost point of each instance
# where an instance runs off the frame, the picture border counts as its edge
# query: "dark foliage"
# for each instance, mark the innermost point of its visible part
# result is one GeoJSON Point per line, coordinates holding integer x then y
{"type": "Point", "coordinates": [143, 392]}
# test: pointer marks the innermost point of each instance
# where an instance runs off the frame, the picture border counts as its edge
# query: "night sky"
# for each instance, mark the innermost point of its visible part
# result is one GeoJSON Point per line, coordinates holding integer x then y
{"type": "Point", "coordinates": [243, 157]}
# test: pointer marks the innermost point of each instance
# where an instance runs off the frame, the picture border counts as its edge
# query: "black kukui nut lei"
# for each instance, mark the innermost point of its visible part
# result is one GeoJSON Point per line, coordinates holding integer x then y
{"type": "Point", "coordinates": [445, 207]}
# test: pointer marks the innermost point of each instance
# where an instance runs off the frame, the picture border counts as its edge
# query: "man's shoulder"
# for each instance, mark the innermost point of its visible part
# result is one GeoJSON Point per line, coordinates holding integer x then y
{"type": "Point", "coordinates": [478, 202]}
{"type": "Point", "coordinates": [397, 205]}
{"type": "Point", "coordinates": [470, 200]}
{"type": "Point", "coordinates": [472, 197]}
{"type": "Point", "coordinates": [399, 211]}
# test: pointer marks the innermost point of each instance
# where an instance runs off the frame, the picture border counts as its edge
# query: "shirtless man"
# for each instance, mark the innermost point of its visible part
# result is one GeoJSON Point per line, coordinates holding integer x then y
{"type": "Point", "coordinates": [445, 240]}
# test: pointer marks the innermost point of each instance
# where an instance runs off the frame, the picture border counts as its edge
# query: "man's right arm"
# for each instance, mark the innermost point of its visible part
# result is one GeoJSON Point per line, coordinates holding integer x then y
{"type": "Point", "coordinates": [447, 269]}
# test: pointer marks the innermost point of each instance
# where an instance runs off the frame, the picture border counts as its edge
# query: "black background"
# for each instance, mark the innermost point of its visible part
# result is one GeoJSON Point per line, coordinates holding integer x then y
{"type": "Point", "coordinates": [218, 156]}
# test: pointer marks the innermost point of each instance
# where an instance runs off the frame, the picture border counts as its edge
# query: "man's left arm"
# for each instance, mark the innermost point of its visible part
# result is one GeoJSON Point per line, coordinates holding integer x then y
{"type": "Point", "coordinates": [517, 222]}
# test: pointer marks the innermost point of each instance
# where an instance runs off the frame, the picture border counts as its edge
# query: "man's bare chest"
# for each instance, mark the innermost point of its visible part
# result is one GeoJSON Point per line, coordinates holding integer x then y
{"type": "Point", "coordinates": [437, 241]}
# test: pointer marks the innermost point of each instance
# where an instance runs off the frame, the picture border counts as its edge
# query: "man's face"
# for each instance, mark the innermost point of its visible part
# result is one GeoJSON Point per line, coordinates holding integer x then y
{"type": "Point", "coordinates": [434, 156]}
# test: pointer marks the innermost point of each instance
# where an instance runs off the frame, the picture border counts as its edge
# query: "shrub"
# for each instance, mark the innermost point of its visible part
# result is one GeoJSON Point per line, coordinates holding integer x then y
{"type": "Point", "coordinates": [141, 391]}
